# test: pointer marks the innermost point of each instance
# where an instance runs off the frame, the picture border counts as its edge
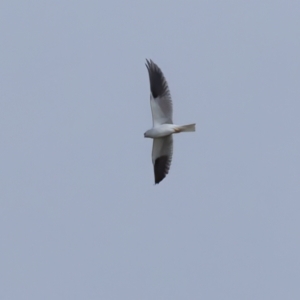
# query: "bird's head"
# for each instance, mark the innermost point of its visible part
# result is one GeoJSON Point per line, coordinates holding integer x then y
{"type": "Point", "coordinates": [146, 134]}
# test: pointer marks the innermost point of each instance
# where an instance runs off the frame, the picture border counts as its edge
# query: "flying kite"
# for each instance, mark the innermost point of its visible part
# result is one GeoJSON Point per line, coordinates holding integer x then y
{"type": "Point", "coordinates": [163, 127]}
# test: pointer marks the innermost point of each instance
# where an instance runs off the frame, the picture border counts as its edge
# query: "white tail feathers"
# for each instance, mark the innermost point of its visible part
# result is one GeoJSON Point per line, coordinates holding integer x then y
{"type": "Point", "coordinates": [187, 128]}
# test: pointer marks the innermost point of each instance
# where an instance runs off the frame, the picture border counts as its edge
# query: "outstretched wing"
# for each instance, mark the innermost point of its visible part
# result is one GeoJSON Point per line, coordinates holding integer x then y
{"type": "Point", "coordinates": [160, 99]}
{"type": "Point", "coordinates": [162, 152]}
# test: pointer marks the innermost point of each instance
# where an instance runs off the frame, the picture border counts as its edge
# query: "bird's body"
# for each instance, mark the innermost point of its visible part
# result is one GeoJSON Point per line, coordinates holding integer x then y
{"type": "Point", "coordinates": [163, 127]}
{"type": "Point", "coordinates": [163, 130]}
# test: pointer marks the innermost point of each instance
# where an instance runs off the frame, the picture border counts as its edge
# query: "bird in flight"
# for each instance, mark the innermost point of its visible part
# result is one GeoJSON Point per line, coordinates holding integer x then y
{"type": "Point", "coordinates": [163, 127]}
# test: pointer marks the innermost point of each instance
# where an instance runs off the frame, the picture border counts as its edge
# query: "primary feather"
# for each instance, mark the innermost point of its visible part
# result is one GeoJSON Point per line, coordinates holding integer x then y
{"type": "Point", "coordinates": [160, 98]}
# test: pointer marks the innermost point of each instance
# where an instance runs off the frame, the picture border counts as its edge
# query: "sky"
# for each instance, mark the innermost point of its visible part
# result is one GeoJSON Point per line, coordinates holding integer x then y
{"type": "Point", "coordinates": [80, 216]}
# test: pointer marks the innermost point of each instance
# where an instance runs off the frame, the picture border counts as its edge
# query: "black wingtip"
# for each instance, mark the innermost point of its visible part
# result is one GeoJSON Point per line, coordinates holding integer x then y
{"type": "Point", "coordinates": [161, 168]}
{"type": "Point", "coordinates": [148, 63]}
{"type": "Point", "coordinates": [158, 83]}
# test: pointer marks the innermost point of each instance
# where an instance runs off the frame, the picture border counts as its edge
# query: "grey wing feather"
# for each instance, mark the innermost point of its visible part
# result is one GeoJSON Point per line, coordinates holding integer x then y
{"type": "Point", "coordinates": [161, 101]}
{"type": "Point", "coordinates": [162, 153]}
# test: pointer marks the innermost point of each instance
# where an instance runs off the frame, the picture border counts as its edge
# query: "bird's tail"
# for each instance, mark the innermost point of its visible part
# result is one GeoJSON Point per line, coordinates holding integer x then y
{"type": "Point", "coordinates": [187, 128]}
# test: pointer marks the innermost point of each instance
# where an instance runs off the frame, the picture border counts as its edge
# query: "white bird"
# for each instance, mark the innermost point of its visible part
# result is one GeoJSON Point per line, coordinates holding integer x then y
{"type": "Point", "coordinates": [163, 127]}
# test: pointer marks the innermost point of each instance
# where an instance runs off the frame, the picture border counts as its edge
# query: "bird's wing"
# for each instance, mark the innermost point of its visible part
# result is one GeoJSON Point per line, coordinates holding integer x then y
{"type": "Point", "coordinates": [160, 98]}
{"type": "Point", "coordinates": [162, 152]}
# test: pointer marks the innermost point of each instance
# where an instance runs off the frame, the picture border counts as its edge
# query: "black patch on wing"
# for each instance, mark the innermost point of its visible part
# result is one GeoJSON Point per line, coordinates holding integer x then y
{"type": "Point", "coordinates": [158, 83]}
{"type": "Point", "coordinates": [161, 168]}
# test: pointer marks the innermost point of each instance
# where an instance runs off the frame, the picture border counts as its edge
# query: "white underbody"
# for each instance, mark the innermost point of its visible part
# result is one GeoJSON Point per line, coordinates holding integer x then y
{"type": "Point", "coordinates": [162, 130]}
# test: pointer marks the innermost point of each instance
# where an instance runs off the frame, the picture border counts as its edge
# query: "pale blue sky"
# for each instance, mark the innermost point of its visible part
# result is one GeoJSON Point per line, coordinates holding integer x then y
{"type": "Point", "coordinates": [80, 217]}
